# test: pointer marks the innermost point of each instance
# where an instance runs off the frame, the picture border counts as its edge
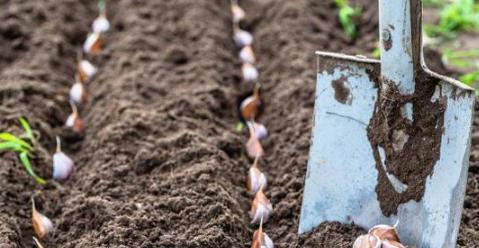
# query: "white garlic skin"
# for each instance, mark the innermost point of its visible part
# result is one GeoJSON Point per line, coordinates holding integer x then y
{"type": "Point", "coordinates": [77, 93]}
{"type": "Point", "coordinates": [88, 68]}
{"type": "Point", "coordinates": [242, 38]}
{"type": "Point", "coordinates": [262, 212]}
{"type": "Point", "coordinates": [257, 180]}
{"type": "Point", "coordinates": [90, 41]}
{"type": "Point", "coordinates": [246, 55]}
{"type": "Point", "coordinates": [63, 166]}
{"type": "Point", "coordinates": [238, 13]}
{"type": "Point", "coordinates": [250, 73]}
{"type": "Point", "coordinates": [101, 24]}
{"type": "Point", "coordinates": [70, 120]}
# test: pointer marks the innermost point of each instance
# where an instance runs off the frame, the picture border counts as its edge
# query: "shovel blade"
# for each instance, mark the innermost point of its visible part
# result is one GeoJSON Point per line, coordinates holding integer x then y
{"type": "Point", "coordinates": [342, 174]}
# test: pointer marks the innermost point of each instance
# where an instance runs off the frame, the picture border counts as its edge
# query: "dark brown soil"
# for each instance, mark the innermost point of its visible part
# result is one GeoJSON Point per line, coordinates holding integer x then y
{"type": "Point", "coordinates": [160, 164]}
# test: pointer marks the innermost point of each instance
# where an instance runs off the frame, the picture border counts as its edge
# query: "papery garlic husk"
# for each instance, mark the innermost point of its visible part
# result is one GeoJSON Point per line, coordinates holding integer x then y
{"type": "Point", "coordinates": [242, 38]}
{"type": "Point", "coordinates": [249, 107]}
{"type": "Point", "coordinates": [63, 166]}
{"type": "Point", "coordinates": [78, 93]}
{"type": "Point", "coordinates": [254, 147]}
{"type": "Point", "coordinates": [367, 241]}
{"type": "Point", "coordinates": [261, 239]}
{"type": "Point", "coordinates": [385, 232]}
{"type": "Point", "coordinates": [92, 44]}
{"type": "Point", "coordinates": [260, 130]}
{"type": "Point", "coordinates": [100, 24]}
{"type": "Point", "coordinates": [256, 179]}
{"type": "Point", "coordinates": [42, 225]}
{"type": "Point", "coordinates": [238, 13]}
{"type": "Point", "coordinates": [261, 208]}
{"type": "Point", "coordinates": [246, 55]}
{"type": "Point", "coordinates": [86, 70]}
{"type": "Point", "coordinates": [250, 73]}
{"type": "Point", "coordinates": [74, 120]}
{"type": "Point", "coordinates": [391, 244]}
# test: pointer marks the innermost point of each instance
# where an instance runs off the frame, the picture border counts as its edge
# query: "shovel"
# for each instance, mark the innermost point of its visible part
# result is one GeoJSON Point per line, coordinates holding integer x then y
{"type": "Point", "coordinates": [391, 138]}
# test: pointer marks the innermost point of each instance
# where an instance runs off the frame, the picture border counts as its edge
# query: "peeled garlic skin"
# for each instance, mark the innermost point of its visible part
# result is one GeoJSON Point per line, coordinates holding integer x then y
{"type": "Point", "coordinates": [256, 180]}
{"type": "Point", "coordinates": [242, 38]}
{"type": "Point", "coordinates": [250, 73]}
{"type": "Point", "coordinates": [100, 25]}
{"type": "Point", "coordinates": [77, 93]}
{"type": "Point", "coordinates": [41, 224]}
{"type": "Point", "coordinates": [63, 166]}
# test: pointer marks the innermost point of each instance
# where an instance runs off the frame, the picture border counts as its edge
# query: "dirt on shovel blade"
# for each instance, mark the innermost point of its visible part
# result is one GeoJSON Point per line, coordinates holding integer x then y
{"type": "Point", "coordinates": [160, 163]}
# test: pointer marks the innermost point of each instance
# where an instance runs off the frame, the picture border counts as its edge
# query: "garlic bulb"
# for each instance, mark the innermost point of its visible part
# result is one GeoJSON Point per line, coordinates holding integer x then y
{"type": "Point", "coordinates": [367, 241]}
{"type": "Point", "coordinates": [92, 44]}
{"type": "Point", "coordinates": [391, 244]}
{"type": "Point", "coordinates": [42, 225]}
{"type": "Point", "coordinates": [246, 55]}
{"type": "Point", "coordinates": [261, 208]}
{"type": "Point", "coordinates": [254, 147]}
{"type": "Point", "coordinates": [86, 70]}
{"type": "Point", "coordinates": [74, 120]}
{"type": "Point", "coordinates": [242, 38]}
{"type": "Point", "coordinates": [100, 24]}
{"type": "Point", "coordinates": [78, 93]}
{"type": "Point", "coordinates": [256, 179]}
{"type": "Point", "coordinates": [63, 166]}
{"type": "Point", "coordinates": [261, 239]}
{"type": "Point", "coordinates": [238, 13]}
{"type": "Point", "coordinates": [250, 73]}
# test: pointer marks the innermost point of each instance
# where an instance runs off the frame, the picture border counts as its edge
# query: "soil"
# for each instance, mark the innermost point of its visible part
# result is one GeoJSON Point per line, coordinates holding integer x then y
{"type": "Point", "coordinates": [160, 163]}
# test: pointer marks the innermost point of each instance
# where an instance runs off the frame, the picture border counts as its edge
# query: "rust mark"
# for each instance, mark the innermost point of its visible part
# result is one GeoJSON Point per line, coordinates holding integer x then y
{"type": "Point", "coordinates": [342, 92]}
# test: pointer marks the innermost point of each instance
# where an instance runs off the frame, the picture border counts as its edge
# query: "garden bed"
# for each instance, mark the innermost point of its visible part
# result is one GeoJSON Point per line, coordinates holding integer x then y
{"type": "Point", "coordinates": [160, 163]}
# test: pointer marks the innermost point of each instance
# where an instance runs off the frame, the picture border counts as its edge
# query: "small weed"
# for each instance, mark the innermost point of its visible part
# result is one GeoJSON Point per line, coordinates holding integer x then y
{"type": "Point", "coordinates": [460, 15]}
{"type": "Point", "coordinates": [347, 14]}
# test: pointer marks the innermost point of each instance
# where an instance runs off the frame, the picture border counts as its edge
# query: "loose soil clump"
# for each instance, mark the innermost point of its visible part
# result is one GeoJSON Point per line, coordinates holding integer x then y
{"type": "Point", "coordinates": [160, 164]}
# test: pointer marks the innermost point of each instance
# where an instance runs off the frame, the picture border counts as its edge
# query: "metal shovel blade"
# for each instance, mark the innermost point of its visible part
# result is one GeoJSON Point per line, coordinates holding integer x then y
{"type": "Point", "coordinates": [390, 139]}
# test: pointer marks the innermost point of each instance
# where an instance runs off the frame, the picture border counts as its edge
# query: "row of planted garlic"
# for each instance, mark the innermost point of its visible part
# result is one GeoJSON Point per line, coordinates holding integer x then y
{"type": "Point", "coordinates": [380, 236]}
{"type": "Point", "coordinates": [261, 207]}
{"type": "Point", "coordinates": [63, 166]}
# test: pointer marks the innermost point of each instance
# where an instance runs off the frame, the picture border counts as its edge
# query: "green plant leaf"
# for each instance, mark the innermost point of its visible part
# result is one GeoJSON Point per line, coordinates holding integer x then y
{"type": "Point", "coordinates": [239, 127]}
{"type": "Point", "coordinates": [13, 138]}
{"type": "Point", "coordinates": [28, 166]}
{"type": "Point", "coordinates": [12, 146]}
{"type": "Point", "coordinates": [28, 129]}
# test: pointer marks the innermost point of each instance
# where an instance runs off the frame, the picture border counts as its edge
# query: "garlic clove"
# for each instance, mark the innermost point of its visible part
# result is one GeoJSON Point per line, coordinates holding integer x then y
{"type": "Point", "coordinates": [260, 131]}
{"type": "Point", "coordinates": [74, 120]}
{"type": "Point", "coordinates": [250, 73]}
{"type": "Point", "coordinates": [63, 166]}
{"type": "Point", "coordinates": [42, 225]}
{"type": "Point", "coordinates": [246, 55]}
{"type": "Point", "coordinates": [261, 208]}
{"type": "Point", "coordinates": [249, 107]}
{"type": "Point", "coordinates": [242, 38]}
{"type": "Point", "coordinates": [391, 244]}
{"type": "Point", "coordinates": [86, 70]}
{"type": "Point", "coordinates": [367, 241]}
{"type": "Point", "coordinates": [238, 13]}
{"type": "Point", "coordinates": [261, 240]}
{"type": "Point", "coordinates": [254, 147]}
{"type": "Point", "coordinates": [256, 179]}
{"type": "Point", "coordinates": [78, 93]}
{"type": "Point", "coordinates": [385, 232]}
{"type": "Point", "coordinates": [92, 44]}
{"type": "Point", "coordinates": [100, 24]}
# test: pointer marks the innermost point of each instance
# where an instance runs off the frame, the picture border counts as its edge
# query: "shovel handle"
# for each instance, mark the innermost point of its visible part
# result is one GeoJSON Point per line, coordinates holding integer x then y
{"type": "Point", "coordinates": [400, 36]}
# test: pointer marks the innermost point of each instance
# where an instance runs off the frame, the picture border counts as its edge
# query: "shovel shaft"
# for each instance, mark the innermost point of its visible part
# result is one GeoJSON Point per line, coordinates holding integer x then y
{"type": "Point", "coordinates": [401, 42]}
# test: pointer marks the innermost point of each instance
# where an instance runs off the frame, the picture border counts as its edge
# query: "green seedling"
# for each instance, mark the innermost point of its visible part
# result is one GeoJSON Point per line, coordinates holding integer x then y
{"type": "Point", "coordinates": [471, 79]}
{"type": "Point", "coordinates": [239, 127]}
{"type": "Point", "coordinates": [460, 15]}
{"type": "Point", "coordinates": [23, 146]}
{"type": "Point", "coordinates": [461, 58]}
{"type": "Point", "coordinates": [347, 14]}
